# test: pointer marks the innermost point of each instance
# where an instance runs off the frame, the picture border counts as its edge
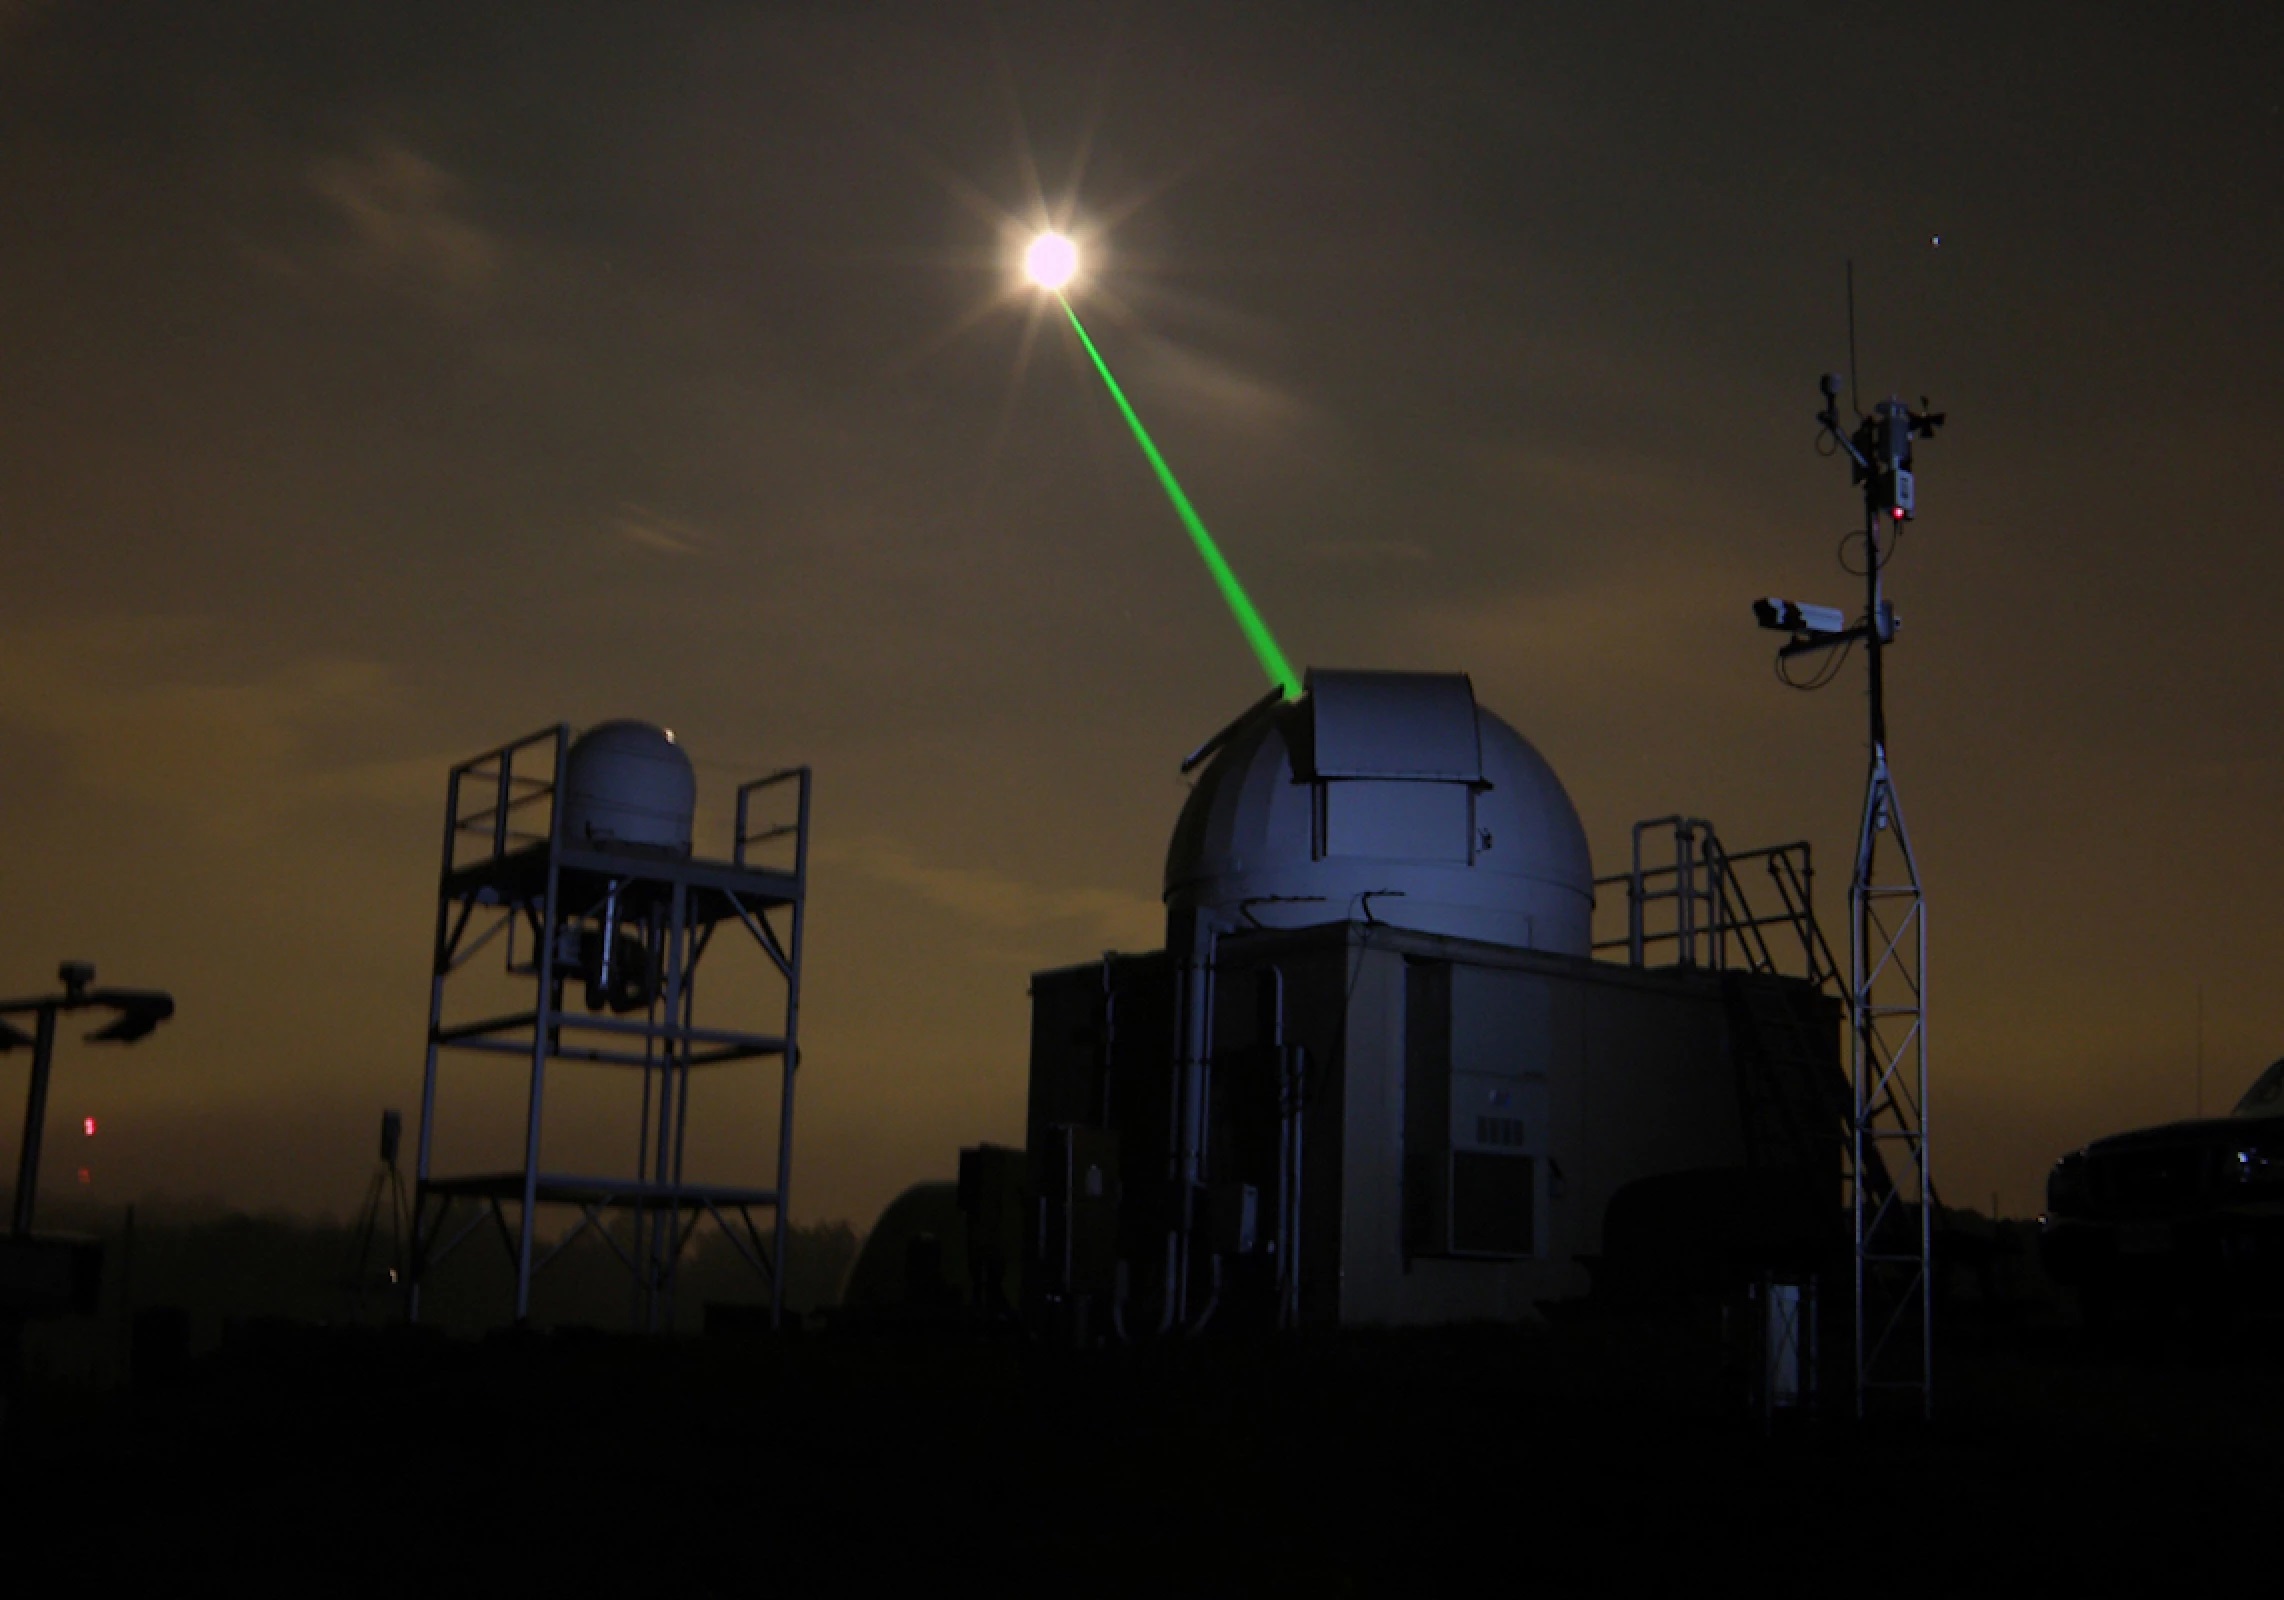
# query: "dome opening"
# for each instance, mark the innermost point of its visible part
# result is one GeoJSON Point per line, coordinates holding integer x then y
{"type": "Point", "coordinates": [1390, 797]}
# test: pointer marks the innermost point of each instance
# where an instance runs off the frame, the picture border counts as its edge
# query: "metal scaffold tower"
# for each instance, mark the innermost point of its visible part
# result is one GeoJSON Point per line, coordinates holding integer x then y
{"type": "Point", "coordinates": [1893, 1197]}
{"type": "Point", "coordinates": [1892, 1200]}
{"type": "Point", "coordinates": [601, 922]}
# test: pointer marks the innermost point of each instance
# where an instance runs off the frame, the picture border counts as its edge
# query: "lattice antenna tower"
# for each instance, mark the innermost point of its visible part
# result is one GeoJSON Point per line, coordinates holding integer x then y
{"type": "Point", "coordinates": [1891, 1194]}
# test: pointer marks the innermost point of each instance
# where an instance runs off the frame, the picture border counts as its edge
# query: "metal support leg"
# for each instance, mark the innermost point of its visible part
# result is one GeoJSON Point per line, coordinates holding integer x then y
{"type": "Point", "coordinates": [35, 1121]}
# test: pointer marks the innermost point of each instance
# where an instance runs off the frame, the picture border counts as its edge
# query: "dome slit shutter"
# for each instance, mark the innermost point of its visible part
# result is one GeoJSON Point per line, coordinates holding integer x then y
{"type": "Point", "coordinates": [1416, 726]}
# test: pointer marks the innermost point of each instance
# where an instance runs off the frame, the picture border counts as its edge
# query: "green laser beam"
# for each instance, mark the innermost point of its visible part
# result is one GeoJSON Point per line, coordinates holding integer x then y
{"type": "Point", "coordinates": [1249, 620]}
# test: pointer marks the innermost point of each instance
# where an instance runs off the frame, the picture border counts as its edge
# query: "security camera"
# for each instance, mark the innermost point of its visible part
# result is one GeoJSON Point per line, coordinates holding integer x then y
{"type": "Point", "coordinates": [1790, 616]}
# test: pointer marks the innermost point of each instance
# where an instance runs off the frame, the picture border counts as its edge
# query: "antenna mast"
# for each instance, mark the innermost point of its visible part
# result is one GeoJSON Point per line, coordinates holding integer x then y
{"type": "Point", "coordinates": [1891, 1196]}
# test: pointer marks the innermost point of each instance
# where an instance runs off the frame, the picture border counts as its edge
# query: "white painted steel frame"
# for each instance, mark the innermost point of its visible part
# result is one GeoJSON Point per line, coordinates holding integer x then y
{"type": "Point", "coordinates": [1892, 1201]}
{"type": "Point", "coordinates": [666, 1210]}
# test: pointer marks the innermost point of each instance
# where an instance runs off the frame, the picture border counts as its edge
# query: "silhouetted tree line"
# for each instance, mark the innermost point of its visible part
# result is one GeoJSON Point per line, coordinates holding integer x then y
{"type": "Point", "coordinates": [227, 1267]}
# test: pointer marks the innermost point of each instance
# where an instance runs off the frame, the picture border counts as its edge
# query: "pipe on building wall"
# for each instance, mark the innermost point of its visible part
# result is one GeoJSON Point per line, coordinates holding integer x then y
{"type": "Point", "coordinates": [1172, 1306]}
{"type": "Point", "coordinates": [1109, 1035]}
{"type": "Point", "coordinates": [1292, 1317]}
{"type": "Point", "coordinates": [1289, 1097]}
{"type": "Point", "coordinates": [1212, 1299]}
{"type": "Point", "coordinates": [1188, 1166]}
{"type": "Point", "coordinates": [1292, 1102]}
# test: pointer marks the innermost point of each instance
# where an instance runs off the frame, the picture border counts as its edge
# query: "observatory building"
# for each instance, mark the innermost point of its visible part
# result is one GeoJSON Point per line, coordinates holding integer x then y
{"type": "Point", "coordinates": [1378, 1075]}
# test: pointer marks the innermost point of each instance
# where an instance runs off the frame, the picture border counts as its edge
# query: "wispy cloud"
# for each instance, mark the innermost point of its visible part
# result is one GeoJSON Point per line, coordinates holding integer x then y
{"type": "Point", "coordinates": [405, 219]}
{"type": "Point", "coordinates": [1620, 483]}
{"type": "Point", "coordinates": [1218, 388]}
{"type": "Point", "coordinates": [1003, 904]}
{"type": "Point", "coordinates": [228, 757]}
{"type": "Point", "coordinates": [20, 16]}
{"type": "Point", "coordinates": [655, 530]}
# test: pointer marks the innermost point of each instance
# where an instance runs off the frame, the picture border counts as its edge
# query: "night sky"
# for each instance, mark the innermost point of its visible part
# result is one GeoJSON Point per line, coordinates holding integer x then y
{"type": "Point", "coordinates": [382, 382]}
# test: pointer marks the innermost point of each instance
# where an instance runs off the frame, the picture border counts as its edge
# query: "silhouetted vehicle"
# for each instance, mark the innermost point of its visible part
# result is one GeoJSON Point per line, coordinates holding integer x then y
{"type": "Point", "coordinates": [2191, 1213]}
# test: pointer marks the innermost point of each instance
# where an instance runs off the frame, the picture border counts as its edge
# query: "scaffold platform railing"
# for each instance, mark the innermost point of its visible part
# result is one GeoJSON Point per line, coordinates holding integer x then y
{"type": "Point", "coordinates": [595, 952]}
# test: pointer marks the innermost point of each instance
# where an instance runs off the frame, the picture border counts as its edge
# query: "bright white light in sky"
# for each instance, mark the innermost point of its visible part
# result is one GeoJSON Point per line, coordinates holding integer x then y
{"type": "Point", "coordinates": [1052, 261]}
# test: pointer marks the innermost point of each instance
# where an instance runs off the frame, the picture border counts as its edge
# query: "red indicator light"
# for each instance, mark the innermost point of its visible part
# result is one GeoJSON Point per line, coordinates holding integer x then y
{"type": "Point", "coordinates": [87, 1126]}
{"type": "Point", "coordinates": [85, 1176]}
{"type": "Point", "coordinates": [1897, 513]}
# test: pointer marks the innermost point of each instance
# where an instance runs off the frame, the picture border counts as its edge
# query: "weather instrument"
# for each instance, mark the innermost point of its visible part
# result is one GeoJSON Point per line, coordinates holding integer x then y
{"type": "Point", "coordinates": [1892, 1194]}
{"type": "Point", "coordinates": [384, 1195]}
{"type": "Point", "coordinates": [1051, 262]}
{"type": "Point", "coordinates": [136, 1013]}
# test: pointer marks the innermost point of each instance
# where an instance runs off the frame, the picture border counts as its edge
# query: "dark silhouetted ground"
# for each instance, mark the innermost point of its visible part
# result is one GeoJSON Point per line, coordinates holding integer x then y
{"type": "Point", "coordinates": [1604, 1457]}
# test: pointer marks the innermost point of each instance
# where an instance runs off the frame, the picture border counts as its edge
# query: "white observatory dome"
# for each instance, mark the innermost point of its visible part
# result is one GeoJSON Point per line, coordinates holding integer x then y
{"type": "Point", "coordinates": [629, 786]}
{"type": "Point", "coordinates": [1390, 797]}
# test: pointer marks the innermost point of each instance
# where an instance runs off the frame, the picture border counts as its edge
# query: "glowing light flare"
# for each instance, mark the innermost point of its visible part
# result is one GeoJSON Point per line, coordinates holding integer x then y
{"type": "Point", "coordinates": [1249, 620]}
{"type": "Point", "coordinates": [87, 1126]}
{"type": "Point", "coordinates": [1052, 261]}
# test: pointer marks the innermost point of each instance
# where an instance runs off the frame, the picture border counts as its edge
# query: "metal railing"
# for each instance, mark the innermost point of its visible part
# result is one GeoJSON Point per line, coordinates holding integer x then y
{"type": "Point", "coordinates": [1699, 910]}
{"type": "Point", "coordinates": [506, 809]}
{"type": "Point", "coordinates": [750, 833]}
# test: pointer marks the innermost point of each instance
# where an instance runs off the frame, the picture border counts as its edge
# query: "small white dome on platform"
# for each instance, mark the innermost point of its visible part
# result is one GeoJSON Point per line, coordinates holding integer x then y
{"type": "Point", "coordinates": [629, 785]}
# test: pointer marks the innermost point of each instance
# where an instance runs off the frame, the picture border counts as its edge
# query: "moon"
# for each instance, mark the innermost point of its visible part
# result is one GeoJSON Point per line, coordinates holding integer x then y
{"type": "Point", "coordinates": [1052, 261]}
